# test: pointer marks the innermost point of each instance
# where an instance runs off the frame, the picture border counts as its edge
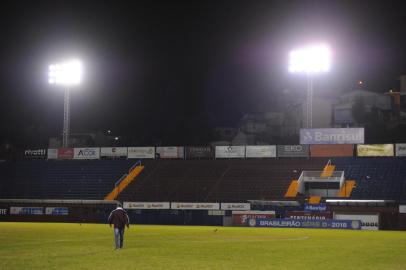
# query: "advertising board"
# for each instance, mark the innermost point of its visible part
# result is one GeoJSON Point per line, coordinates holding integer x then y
{"type": "Point", "coordinates": [35, 153]}
{"type": "Point", "coordinates": [65, 153]}
{"type": "Point", "coordinates": [402, 209]}
{"type": "Point", "coordinates": [199, 152]}
{"type": "Point", "coordinates": [113, 152]}
{"type": "Point", "coordinates": [141, 152]}
{"type": "Point", "coordinates": [298, 223]}
{"type": "Point", "coordinates": [241, 217]}
{"type": "Point", "coordinates": [52, 153]}
{"type": "Point", "coordinates": [235, 206]}
{"type": "Point", "coordinates": [16, 210]}
{"type": "Point", "coordinates": [375, 150]}
{"type": "Point", "coordinates": [170, 152]}
{"type": "Point", "coordinates": [332, 136]}
{"type": "Point", "coordinates": [86, 153]}
{"type": "Point", "coordinates": [368, 221]}
{"type": "Point", "coordinates": [146, 205]}
{"type": "Point", "coordinates": [3, 211]}
{"type": "Point", "coordinates": [195, 206]}
{"type": "Point", "coordinates": [401, 149]}
{"type": "Point", "coordinates": [292, 150]}
{"type": "Point", "coordinates": [230, 151]}
{"type": "Point", "coordinates": [331, 150]}
{"type": "Point", "coordinates": [260, 151]}
{"type": "Point", "coordinates": [57, 211]}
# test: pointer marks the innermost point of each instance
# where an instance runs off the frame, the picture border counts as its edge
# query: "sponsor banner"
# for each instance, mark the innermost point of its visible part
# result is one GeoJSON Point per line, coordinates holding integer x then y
{"type": "Point", "coordinates": [146, 205]}
{"type": "Point", "coordinates": [141, 152]}
{"type": "Point", "coordinates": [235, 206]}
{"type": "Point", "coordinates": [86, 153]}
{"type": "Point", "coordinates": [3, 211]}
{"type": "Point", "coordinates": [52, 153]}
{"type": "Point", "coordinates": [35, 153]}
{"type": "Point", "coordinates": [170, 152]}
{"type": "Point", "coordinates": [298, 223]}
{"type": "Point", "coordinates": [241, 217]}
{"type": "Point", "coordinates": [402, 209]}
{"type": "Point", "coordinates": [56, 211]}
{"type": "Point", "coordinates": [195, 206]}
{"type": "Point", "coordinates": [113, 152]}
{"type": "Point", "coordinates": [375, 150]}
{"type": "Point", "coordinates": [65, 153]}
{"type": "Point", "coordinates": [26, 210]}
{"type": "Point", "coordinates": [332, 136]}
{"type": "Point", "coordinates": [230, 151]}
{"type": "Point", "coordinates": [293, 150]}
{"type": "Point", "coordinates": [199, 152]}
{"type": "Point", "coordinates": [309, 215]}
{"type": "Point", "coordinates": [260, 151]}
{"type": "Point", "coordinates": [401, 149]}
{"type": "Point", "coordinates": [331, 150]}
{"type": "Point", "coordinates": [315, 207]}
{"type": "Point", "coordinates": [368, 221]}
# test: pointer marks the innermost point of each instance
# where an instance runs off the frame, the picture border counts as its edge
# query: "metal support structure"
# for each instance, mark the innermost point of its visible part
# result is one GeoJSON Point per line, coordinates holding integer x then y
{"type": "Point", "coordinates": [309, 102]}
{"type": "Point", "coordinates": [66, 119]}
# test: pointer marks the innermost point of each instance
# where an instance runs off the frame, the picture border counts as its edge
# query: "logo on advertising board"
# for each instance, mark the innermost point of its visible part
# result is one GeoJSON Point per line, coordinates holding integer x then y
{"type": "Point", "coordinates": [332, 136]}
{"type": "Point", "coordinates": [146, 205]}
{"type": "Point", "coordinates": [86, 153]}
{"type": "Point", "coordinates": [3, 211]}
{"type": "Point", "coordinates": [375, 150]}
{"type": "Point", "coordinates": [260, 151]}
{"type": "Point", "coordinates": [242, 217]}
{"type": "Point", "coordinates": [65, 153]}
{"type": "Point", "coordinates": [195, 206]}
{"type": "Point", "coordinates": [297, 223]}
{"type": "Point", "coordinates": [315, 207]}
{"type": "Point", "coordinates": [52, 153]}
{"type": "Point", "coordinates": [170, 152]}
{"type": "Point", "coordinates": [37, 153]}
{"type": "Point", "coordinates": [235, 206]}
{"type": "Point", "coordinates": [199, 152]}
{"type": "Point", "coordinates": [230, 151]}
{"type": "Point", "coordinates": [293, 150]}
{"type": "Point", "coordinates": [56, 211]}
{"type": "Point", "coordinates": [141, 152]}
{"type": "Point", "coordinates": [113, 151]}
{"type": "Point", "coordinates": [401, 149]}
{"type": "Point", "coordinates": [15, 210]}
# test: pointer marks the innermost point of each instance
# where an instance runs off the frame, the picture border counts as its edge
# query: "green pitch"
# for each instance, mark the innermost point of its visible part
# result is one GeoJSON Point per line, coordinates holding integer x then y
{"type": "Point", "coordinates": [90, 246]}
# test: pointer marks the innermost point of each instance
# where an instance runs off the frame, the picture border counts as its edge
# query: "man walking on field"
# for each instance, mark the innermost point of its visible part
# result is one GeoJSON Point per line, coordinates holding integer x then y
{"type": "Point", "coordinates": [120, 219]}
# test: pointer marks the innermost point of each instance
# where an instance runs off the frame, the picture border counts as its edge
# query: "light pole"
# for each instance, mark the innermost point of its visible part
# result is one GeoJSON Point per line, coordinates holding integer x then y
{"type": "Point", "coordinates": [66, 74]}
{"type": "Point", "coordinates": [310, 60]}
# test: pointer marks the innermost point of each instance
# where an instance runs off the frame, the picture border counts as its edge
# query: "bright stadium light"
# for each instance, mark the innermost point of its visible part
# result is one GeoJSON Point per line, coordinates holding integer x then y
{"type": "Point", "coordinates": [67, 74]}
{"type": "Point", "coordinates": [310, 60]}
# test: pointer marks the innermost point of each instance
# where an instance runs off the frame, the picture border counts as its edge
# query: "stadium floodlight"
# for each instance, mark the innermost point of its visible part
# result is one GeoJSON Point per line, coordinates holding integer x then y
{"type": "Point", "coordinates": [310, 60]}
{"type": "Point", "coordinates": [67, 74]}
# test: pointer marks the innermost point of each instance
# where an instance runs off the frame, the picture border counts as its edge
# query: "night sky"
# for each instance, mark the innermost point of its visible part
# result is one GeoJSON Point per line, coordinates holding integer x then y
{"type": "Point", "coordinates": [168, 71]}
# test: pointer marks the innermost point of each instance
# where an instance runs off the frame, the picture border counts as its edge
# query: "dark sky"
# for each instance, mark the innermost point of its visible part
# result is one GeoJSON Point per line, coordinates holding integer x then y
{"type": "Point", "coordinates": [167, 70]}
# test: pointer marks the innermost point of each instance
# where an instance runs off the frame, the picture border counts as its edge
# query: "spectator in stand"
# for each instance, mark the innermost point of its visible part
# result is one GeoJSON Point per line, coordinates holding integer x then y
{"type": "Point", "coordinates": [120, 219]}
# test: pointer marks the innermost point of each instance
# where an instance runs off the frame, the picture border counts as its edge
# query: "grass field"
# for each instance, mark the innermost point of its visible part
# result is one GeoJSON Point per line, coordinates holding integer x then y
{"type": "Point", "coordinates": [90, 246]}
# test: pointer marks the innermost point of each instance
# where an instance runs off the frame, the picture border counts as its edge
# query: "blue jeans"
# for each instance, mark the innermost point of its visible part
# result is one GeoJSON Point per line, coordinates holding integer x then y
{"type": "Point", "coordinates": [119, 237]}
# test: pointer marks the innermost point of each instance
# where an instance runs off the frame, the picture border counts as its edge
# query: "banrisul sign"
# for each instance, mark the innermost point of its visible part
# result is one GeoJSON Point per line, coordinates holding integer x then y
{"type": "Point", "coordinates": [332, 136]}
{"type": "Point", "coordinates": [315, 207]}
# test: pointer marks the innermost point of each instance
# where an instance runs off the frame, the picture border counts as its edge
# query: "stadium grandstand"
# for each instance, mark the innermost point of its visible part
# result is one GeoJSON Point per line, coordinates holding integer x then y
{"type": "Point", "coordinates": [206, 185]}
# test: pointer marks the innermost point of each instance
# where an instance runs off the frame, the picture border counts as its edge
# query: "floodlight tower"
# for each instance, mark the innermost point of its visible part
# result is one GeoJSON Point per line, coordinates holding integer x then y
{"type": "Point", "coordinates": [66, 74]}
{"type": "Point", "coordinates": [310, 60]}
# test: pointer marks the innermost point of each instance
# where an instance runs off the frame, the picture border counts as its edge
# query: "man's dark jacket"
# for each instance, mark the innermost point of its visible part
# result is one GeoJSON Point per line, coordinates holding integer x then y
{"type": "Point", "coordinates": [119, 218]}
